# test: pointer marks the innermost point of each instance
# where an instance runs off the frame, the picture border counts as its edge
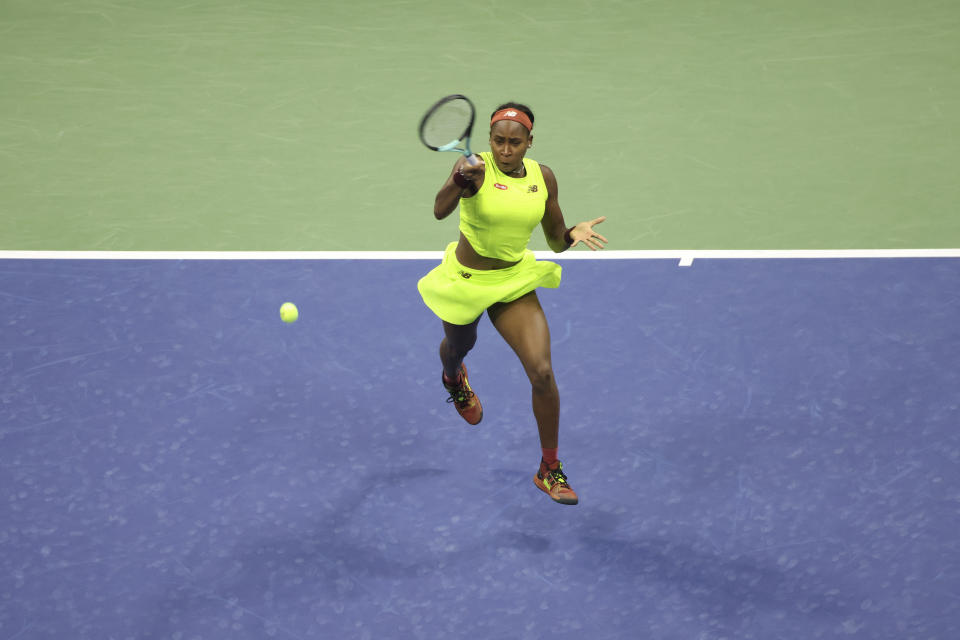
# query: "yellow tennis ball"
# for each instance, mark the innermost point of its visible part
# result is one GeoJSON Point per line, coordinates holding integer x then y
{"type": "Point", "coordinates": [288, 312]}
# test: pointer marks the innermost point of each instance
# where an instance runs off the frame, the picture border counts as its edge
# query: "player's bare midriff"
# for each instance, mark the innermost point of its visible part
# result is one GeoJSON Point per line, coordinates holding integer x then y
{"type": "Point", "coordinates": [468, 257]}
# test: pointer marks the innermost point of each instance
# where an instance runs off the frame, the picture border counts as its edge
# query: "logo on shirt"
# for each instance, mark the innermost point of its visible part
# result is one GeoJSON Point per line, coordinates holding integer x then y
{"type": "Point", "coordinates": [502, 187]}
{"type": "Point", "coordinates": [532, 188]}
{"type": "Point", "coordinates": [464, 274]}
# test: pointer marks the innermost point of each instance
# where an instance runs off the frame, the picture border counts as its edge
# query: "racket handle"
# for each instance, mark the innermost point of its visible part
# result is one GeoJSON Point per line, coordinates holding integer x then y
{"type": "Point", "coordinates": [471, 160]}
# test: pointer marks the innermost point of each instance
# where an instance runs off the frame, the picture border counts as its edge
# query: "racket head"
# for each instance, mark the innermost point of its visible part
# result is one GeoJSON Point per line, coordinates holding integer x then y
{"type": "Point", "coordinates": [448, 123]}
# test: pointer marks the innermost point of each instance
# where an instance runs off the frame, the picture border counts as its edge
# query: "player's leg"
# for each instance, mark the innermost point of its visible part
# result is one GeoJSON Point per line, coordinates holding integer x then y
{"type": "Point", "coordinates": [457, 342]}
{"type": "Point", "coordinates": [523, 326]}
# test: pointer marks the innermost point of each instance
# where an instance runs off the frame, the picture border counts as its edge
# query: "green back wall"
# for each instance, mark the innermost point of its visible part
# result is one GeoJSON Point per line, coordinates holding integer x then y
{"type": "Point", "coordinates": [291, 124]}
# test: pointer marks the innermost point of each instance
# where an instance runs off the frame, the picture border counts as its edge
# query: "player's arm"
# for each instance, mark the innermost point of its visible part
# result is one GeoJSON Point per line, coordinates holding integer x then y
{"type": "Point", "coordinates": [463, 182]}
{"type": "Point", "coordinates": [555, 229]}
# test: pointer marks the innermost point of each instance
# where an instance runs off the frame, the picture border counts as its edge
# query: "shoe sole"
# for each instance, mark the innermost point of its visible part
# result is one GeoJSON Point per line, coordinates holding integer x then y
{"type": "Point", "coordinates": [543, 487]}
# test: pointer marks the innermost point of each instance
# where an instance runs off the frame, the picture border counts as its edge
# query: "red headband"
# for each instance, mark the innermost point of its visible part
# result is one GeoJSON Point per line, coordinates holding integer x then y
{"type": "Point", "coordinates": [512, 114]}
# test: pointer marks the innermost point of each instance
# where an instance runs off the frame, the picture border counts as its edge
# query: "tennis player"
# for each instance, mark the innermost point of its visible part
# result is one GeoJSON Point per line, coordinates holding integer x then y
{"type": "Point", "coordinates": [503, 195]}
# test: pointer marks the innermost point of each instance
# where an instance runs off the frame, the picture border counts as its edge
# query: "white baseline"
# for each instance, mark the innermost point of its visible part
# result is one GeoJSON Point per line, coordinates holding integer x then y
{"type": "Point", "coordinates": [686, 257]}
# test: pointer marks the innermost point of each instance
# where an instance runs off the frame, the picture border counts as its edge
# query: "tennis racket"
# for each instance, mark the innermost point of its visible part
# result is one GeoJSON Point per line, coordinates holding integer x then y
{"type": "Point", "coordinates": [447, 125]}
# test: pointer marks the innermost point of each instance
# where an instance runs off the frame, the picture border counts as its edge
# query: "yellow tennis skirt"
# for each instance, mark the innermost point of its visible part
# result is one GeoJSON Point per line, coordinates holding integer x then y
{"type": "Point", "coordinates": [458, 294]}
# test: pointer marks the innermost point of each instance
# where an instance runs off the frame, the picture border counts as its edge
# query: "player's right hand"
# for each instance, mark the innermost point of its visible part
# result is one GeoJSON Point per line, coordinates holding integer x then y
{"type": "Point", "coordinates": [473, 172]}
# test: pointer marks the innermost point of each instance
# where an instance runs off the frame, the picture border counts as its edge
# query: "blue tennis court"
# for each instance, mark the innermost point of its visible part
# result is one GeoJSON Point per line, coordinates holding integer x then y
{"type": "Point", "coordinates": [763, 449]}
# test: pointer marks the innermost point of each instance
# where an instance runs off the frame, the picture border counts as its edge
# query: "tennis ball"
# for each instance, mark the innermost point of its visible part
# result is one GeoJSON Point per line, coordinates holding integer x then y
{"type": "Point", "coordinates": [288, 312]}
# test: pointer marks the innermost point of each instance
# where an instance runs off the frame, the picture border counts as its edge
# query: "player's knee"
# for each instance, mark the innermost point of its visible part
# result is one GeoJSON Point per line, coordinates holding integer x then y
{"type": "Point", "coordinates": [541, 377]}
{"type": "Point", "coordinates": [457, 349]}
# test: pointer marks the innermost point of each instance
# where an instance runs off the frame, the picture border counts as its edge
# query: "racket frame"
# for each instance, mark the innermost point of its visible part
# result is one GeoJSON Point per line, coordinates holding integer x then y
{"type": "Point", "coordinates": [453, 145]}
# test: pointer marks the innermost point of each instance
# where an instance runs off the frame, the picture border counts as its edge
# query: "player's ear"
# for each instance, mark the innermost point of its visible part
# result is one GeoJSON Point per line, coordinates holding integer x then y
{"type": "Point", "coordinates": [530, 141]}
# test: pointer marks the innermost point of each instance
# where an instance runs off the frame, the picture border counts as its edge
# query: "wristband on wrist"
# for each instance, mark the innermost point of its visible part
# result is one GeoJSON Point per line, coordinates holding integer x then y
{"type": "Point", "coordinates": [567, 238]}
{"type": "Point", "coordinates": [461, 180]}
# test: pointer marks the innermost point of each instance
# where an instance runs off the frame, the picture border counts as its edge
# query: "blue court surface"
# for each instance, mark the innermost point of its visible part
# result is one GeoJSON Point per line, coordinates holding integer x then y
{"type": "Point", "coordinates": [763, 449]}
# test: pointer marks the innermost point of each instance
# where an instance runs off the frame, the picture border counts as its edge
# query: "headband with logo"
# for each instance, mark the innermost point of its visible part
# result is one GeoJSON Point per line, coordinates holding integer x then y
{"type": "Point", "coordinates": [512, 114]}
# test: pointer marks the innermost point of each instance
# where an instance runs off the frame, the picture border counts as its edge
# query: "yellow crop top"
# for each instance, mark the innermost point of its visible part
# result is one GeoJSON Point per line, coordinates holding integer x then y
{"type": "Point", "coordinates": [499, 219]}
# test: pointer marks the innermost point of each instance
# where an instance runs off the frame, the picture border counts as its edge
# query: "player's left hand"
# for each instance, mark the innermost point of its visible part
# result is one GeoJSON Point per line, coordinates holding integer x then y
{"type": "Point", "coordinates": [584, 233]}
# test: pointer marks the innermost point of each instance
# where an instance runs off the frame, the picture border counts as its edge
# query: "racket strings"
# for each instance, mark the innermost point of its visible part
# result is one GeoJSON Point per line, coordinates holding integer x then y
{"type": "Point", "coordinates": [447, 123]}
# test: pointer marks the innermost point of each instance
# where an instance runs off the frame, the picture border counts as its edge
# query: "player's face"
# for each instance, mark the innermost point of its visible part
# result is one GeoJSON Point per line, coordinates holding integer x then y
{"type": "Point", "coordinates": [509, 142]}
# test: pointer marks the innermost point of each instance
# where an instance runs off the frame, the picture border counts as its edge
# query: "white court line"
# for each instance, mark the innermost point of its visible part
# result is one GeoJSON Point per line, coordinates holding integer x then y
{"type": "Point", "coordinates": [762, 254]}
{"type": "Point", "coordinates": [685, 256]}
{"type": "Point", "coordinates": [221, 255]}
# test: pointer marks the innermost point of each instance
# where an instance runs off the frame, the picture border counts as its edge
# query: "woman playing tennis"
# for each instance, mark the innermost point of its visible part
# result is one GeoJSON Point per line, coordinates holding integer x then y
{"type": "Point", "coordinates": [503, 195]}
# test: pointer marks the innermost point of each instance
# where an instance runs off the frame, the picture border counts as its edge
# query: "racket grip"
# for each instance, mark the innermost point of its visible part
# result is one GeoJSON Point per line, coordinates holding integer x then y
{"type": "Point", "coordinates": [471, 159]}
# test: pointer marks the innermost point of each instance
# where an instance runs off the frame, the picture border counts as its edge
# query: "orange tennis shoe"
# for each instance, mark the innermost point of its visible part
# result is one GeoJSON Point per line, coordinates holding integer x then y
{"type": "Point", "coordinates": [464, 399]}
{"type": "Point", "coordinates": [553, 481]}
